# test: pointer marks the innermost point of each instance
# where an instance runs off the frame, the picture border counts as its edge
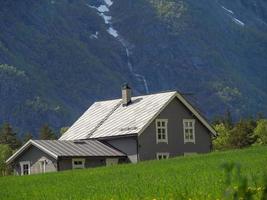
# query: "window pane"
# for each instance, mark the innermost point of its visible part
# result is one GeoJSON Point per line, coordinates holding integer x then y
{"type": "Point", "coordinates": [159, 130]}
{"type": "Point", "coordinates": [158, 123]}
{"type": "Point", "coordinates": [163, 123]}
{"type": "Point", "coordinates": [163, 136]}
{"type": "Point", "coordinates": [163, 130]}
{"type": "Point", "coordinates": [186, 136]}
{"type": "Point", "coordinates": [159, 136]}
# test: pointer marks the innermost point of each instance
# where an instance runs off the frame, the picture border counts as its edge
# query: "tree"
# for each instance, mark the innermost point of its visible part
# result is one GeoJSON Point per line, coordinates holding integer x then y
{"type": "Point", "coordinates": [261, 131]}
{"type": "Point", "coordinates": [242, 134]}
{"type": "Point", "coordinates": [9, 137]}
{"type": "Point", "coordinates": [46, 133]}
{"type": "Point", "coordinates": [27, 136]}
{"type": "Point", "coordinates": [228, 120]}
{"type": "Point", "coordinates": [63, 130]}
{"type": "Point", "coordinates": [5, 153]}
{"type": "Point", "coordinates": [221, 142]}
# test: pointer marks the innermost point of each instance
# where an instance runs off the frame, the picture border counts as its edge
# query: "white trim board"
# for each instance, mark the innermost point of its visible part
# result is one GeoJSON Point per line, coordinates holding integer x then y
{"type": "Point", "coordinates": [187, 105]}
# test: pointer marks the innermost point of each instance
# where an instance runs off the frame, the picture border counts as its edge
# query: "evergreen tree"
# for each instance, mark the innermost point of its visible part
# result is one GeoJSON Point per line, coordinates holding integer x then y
{"type": "Point", "coordinates": [228, 120]}
{"type": "Point", "coordinates": [26, 137]}
{"type": "Point", "coordinates": [242, 134]}
{"type": "Point", "coordinates": [63, 130]}
{"type": "Point", "coordinates": [9, 137]}
{"type": "Point", "coordinates": [46, 133]}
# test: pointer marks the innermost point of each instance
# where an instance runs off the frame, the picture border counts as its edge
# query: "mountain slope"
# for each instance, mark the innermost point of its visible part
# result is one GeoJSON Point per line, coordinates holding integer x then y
{"type": "Point", "coordinates": [59, 56]}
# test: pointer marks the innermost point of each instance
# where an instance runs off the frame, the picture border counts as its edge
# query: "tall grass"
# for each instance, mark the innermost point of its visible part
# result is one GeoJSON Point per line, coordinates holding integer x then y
{"type": "Point", "coordinates": [219, 175]}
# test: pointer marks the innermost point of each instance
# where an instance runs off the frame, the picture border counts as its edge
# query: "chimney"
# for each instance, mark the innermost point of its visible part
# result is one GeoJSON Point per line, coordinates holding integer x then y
{"type": "Point", "coordinates": [126, 94]}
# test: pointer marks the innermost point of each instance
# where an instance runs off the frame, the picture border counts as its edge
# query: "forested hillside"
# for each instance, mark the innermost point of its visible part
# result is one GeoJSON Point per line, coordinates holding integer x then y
{"type": "Point", "coordinates": [58, 56]}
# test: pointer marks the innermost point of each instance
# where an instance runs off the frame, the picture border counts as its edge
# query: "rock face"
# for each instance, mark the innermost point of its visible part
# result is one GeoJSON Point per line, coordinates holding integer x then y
{"type": "Point", "coordinates": [59, 56]}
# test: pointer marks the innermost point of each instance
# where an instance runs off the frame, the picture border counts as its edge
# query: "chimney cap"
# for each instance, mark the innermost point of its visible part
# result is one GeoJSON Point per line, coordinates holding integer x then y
{"type": "Point", "coordinates": [125, 86]}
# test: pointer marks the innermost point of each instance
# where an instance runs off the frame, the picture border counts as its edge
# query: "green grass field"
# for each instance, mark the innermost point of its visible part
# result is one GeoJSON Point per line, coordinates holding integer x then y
{"type": "Point", "coordinates": [194, 177]}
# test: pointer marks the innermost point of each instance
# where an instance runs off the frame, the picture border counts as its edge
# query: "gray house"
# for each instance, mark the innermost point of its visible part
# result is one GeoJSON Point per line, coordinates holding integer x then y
{"type": "Point", "coordinates": [130, 129]}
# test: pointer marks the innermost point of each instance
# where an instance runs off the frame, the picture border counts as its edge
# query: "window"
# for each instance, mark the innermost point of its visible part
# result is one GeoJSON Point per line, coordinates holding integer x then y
{"type": "Point", "coordinates": [112, 161]}
{"type": "Point", "coordinates": [189, 130]}
{"type": "Point", "coordinates": [161, 156]}
{"type": "Point", "coordinates": [78, 163]}
{"type": "Point", "coordinates": [25, 168]}
{"type": "Point", "coordinates": [162, 130]}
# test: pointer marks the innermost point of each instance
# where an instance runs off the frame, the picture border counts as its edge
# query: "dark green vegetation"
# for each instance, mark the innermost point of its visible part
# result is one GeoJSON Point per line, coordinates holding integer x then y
{"type": "Point", "coordinates": [245, 133]}
{"type": "Point", "coordinates": [10, 142]}
{"type": "Point", "coordinates": [193, 177]}
{"type": "Point", "coordinates": [51, 70]}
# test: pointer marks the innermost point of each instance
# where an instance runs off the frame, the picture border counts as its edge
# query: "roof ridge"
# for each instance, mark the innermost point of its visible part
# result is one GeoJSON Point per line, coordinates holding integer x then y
{"type": "Point", "coordinates": [161, 92]}
{"type": "Point", "coordinates": [104, 119]}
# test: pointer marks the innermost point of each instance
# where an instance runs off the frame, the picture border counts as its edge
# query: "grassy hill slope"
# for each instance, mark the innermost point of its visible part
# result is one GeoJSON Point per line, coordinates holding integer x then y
{"type": "Point", "coordinates": [196, 177]}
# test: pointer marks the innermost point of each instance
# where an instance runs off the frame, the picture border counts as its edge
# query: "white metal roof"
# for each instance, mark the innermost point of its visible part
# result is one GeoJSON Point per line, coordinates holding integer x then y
{"type": "Point", "coordinates": [110, 118]}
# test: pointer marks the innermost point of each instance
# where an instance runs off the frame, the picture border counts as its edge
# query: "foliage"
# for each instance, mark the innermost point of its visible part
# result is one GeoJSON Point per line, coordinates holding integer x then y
{"type": "Point", "coordinates": [242, 134]}
{"type": "Point", "coordinates": [26, 137]}
{"type": "Point", "coordinates": [63, 130]}
{"type": "Point", "coordinates": [5, 153]}
{"type": "Point", "coordinates": [221, 142]}
{"type": "Point", "coordinates": [46, 133]}
{"type": "Point", "coordinates": [9, 137]}
{"type": "Point", "coordinates": [261, 131]}
{"type": "Point", "coordinates": [192, 177]}
{"type": "Point", "coordinates": [11, 70]}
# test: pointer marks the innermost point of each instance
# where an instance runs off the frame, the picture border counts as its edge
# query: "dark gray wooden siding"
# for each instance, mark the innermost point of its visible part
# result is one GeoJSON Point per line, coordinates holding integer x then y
{"type": "Point", "coordinates": [175, 112]}
{"type": "Point", "coordinates": [127, 145]}
{"type": "Point", "coordinates": [34, 155]}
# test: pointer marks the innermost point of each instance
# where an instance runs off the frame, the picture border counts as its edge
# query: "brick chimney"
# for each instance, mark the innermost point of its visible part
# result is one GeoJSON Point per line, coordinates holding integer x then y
{"type": "Point", "coordinates": [126, 92]}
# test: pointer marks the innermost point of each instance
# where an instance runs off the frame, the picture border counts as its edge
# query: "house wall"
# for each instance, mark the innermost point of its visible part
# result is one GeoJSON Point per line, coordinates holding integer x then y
{"type": "Point", "coordinates": [66, 162]}
{"type": "Point", "coordinates": [34, 155]}
{"type": "Point", "coordinates": [175, 112]}
{"type": "Point", "coordinates": [127, 145]}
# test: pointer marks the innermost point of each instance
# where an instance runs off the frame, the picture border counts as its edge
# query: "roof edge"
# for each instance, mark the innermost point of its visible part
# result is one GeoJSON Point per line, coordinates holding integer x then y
{"type": "Point", "coordinates": [25, 147]}
{"type": "Point", "coordinates": [187, 105]}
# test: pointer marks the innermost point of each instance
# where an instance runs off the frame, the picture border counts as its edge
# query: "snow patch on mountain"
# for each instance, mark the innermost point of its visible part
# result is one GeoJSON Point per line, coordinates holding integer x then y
{"type": "Point", "coordinates": [113, 32]}
{"type": "Point", "coordinates": [237, 21]}
{"type": "Point", "coordinates": [231, 14]}
{"type": "Point", "coordinates": [94, 36]}
{"type": "Point", "coordinates": [228, 10]}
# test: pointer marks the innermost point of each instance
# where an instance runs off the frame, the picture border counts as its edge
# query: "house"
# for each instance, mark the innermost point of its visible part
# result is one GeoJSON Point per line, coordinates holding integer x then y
{"type": "Point", "coordinates": [129, 129]}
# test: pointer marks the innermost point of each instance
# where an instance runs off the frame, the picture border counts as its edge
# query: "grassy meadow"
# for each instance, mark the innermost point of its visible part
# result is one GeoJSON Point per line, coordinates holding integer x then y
{"type": "Point", "coordinates": [192, 177]}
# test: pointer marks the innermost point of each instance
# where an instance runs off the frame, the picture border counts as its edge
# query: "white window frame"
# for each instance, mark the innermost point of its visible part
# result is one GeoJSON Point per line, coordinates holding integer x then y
{"type": "Point", "coordinates": [112, 161]}
{"type": "Point", "coordinates": [42, 166]}
{"type": "Point", "coordinates": [82, 166]}
{"type": "Point", "coordinates": [21, 167]}
{"type": "Point", "coordinates": [167, 154]}
{"type": "Point", "coordinates": [193, 140]}
{"type": "Point", "coordinates": [162, 128]}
